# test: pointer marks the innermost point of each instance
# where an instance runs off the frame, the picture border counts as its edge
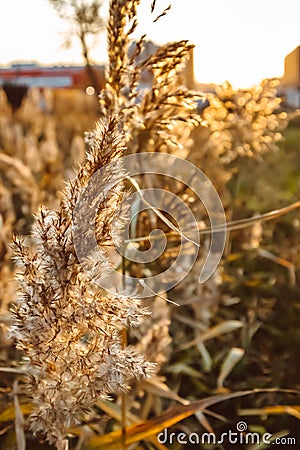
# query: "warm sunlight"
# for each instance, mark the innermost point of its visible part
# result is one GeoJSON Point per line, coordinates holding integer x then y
{"type": "Point", "coordinates": [241, 42]}
{"type": "Point", "coordinates": [149, 224]}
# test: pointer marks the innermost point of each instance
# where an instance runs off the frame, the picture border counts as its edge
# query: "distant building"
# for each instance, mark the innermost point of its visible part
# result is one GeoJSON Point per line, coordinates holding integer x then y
{"type": "Point", "coordinates": [32, 75]}
{"type": "Point", "coordinates": [19, 77]}
{"type": "Point", "coordinates": [290, 83]}
{"type": "Point", "coordinates": [148, 50]}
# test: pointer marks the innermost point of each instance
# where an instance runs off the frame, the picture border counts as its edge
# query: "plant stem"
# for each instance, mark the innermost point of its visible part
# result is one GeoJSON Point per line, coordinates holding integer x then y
{"type": "Point", "coordinates": [124, 344]}
{"type": "Point", "coordinates": [63, 445]}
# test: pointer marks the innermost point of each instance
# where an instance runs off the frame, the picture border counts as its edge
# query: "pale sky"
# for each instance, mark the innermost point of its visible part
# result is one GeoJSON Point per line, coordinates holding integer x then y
{"type": "Point", "coordinates": [241, 41]}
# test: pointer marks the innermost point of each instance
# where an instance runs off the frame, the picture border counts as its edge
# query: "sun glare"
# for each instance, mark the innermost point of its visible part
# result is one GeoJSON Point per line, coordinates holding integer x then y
{"type": "Point", "coordinates": [242, 42]}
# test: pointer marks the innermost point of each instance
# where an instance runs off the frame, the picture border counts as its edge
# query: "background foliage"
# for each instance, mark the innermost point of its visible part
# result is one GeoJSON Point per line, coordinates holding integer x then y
{"type": "Point", "coordinates": [240, 330]}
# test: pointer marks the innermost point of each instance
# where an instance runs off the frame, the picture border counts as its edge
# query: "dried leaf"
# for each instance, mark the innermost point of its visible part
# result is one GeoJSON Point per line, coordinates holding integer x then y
{"type": "Point", "coordinates": [162, 14]}
{"type": "Point", "coordinates": [222, 328]}
{"type": "Point", "coordinates": [160, 389]}
{"type": "Point", "coordinates": [150, 428]}
{"type": "Point", "coordinates": [206, 358]}
{"type": "Point", "coordinates": [292, 410]}
{"type": "Point", "coordinates": [234, 355]}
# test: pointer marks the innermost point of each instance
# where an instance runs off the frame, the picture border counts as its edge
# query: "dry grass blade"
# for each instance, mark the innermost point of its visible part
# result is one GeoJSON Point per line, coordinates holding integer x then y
{"type": "Point", "coordinates": [163, 13]}
{"type": "Point", "coordinates": [282, 262]}
{"type": "Point", "coordinates": [206, 358]}
{"type": "Point", "coordinates": [203, 421]}
{"type": "Point", "coordinates": [292, 410]}
{"type": "Point", "coordinates": [145, 286]}
{"type": "Point", "coordinates": [232, 358]}
{"type": "Point", "coordinates": [222, 328]}
{"type": "Point", "coordinates": [234, 224]}
{"type": "Point", "coordinates": [114, 411]}
{"type": "Point", "coordinates": [159, 214]}
{"type": "Point", "coordinates": [19, 420]}
{"type": "Point", "coordinates": [239, 224]}
{"type": "Point", "coordinates": [150, 428]}
{"type": "Point", "coordinates": [160, 389]}
{"type": "Point", "coordinates": [225, 327]}
{"type": "Point", "coordinates": [4, 430]}
{"type": "Point", "coordinates": [153, 4]}
{"type": "Point", "coordinates": [12, 370]}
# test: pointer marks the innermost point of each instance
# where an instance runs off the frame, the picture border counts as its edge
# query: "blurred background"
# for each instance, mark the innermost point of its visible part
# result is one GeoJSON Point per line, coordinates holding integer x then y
{"type": "Point", "coordinates": [241, 329]}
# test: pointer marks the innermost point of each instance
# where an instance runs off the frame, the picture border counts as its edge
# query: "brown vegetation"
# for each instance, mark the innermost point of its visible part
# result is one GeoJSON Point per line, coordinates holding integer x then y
{"type": "Point", "coordinates": [73, 344]}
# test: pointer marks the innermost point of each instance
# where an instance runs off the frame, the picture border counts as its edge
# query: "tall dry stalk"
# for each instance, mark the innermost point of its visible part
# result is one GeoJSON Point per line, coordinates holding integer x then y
{"type": "Point", "coordinates": [156, 119]}
{"type": "Point", "coordinates": [70, 332]}
{"type": "Point", "coordinates": [159, 118]}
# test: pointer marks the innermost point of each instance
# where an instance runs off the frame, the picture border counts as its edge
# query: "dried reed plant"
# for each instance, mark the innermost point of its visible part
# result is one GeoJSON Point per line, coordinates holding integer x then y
{"type": "Point", "coordinates": [244, 122]}
{"type": "Point", "coordinates": [70, 332]}
{"type": "Point", "coordinates": [161, 117]}
{"type": "Point", "coordinates": [19, 197]}
{"type": "Point", "coordinates": [39, 145]}
{"type": "Point", "coordinates": [28, 138]}
{"type": "Point", "coordinates": [238, 124]}
{"type": "Point", "coordinates": [7, 221]}
{"type": "Point", "coordinates": [156, 119]}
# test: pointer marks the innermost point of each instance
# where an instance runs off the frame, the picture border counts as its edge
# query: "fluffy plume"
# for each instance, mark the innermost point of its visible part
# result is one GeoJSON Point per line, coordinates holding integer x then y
{"type": "Point", "coordinates": [68, 330]}
{"type": "Point", "coordinates": [161, 117]}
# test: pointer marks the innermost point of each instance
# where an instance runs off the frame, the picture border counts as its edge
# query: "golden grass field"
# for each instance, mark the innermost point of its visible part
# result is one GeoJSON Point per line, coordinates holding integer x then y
{"type": "Point", "coordinates": [83, 368]}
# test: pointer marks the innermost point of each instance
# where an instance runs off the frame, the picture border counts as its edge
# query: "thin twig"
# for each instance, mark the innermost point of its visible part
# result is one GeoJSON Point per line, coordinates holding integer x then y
{"type": "Point", "coordinates": [12, 370]}
{"type": "Point", "coordinates": [153, 4]}
{"type": "Point", "coordinates": [142, 283]}
{"type": "Point", "coordinates": [124, 342]}
{"type": "Point", "coordinates": [19, 420]}
{"type": "Point", "coordinates": [159, 214]}
{"type": "Point", "coordinates": [164, 13]}
{"type": "Point", "coordinates": [229, 226]}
